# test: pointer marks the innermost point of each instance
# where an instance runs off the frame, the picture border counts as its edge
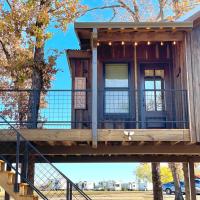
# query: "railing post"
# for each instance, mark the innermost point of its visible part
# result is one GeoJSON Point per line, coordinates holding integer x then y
{"type": "Point", "coordinates": [69, 191]}
{"type": "Point", "coordinates": [25, 162]}
{"type": "Point", "coordinates": [16, 186]}
{"type": "Point", "coordinates": [94, 87]}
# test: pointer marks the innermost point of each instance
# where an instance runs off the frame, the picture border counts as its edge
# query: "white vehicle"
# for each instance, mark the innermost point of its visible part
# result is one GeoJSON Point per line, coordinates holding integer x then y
{"type": "Point", "coordinates": [129, 186]}
{"type": "Point", "coordinates": [86, 185]}
{"type": "Point", "coordinates": [145, 186]}
{"type": "Point", "coordinates": [89, 185]}
{"type": "Point", "coordinates": [114, 186]}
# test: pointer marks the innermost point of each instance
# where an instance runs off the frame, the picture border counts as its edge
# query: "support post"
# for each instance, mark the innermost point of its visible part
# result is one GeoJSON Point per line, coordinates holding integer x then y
{"type": "Point", "coordinates": [94, 88]}
{"type": "Point", "coordinates": [7, 196]}
{"type": "Point", "coordinates": [186, 180]}
{"type": "Point", "coordinates": [191, 180]}
{"type": "Point", "coordinates": [136, 87]}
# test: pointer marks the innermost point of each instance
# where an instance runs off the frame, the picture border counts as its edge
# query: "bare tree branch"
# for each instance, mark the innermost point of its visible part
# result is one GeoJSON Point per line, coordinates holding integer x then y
{"type": "Point", "coordinates": [136, 8]}
{"type": "Point", "coordinates": [9, 4]}
{"type": "Point", "coordinates": [100, 8]}
{"type": "Point", "coordinates": [131, 12]}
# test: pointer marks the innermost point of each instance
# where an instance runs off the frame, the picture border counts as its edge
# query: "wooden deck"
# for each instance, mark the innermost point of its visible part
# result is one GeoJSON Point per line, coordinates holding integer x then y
{"type": "Point", "coordinates": [104, 135]}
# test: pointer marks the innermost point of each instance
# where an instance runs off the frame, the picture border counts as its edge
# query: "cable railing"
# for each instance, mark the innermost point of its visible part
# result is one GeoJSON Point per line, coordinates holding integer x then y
{"type": "Point", "coordinates": [33, 168]}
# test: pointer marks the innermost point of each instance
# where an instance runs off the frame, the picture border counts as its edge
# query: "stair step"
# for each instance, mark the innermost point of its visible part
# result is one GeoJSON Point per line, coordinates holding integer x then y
{"type": "Point", "coordinates": [11, 178]}
{"type": "Point", "coordinates": [23, 189]}
{"type": "Point", "coordinates": [2, 166]}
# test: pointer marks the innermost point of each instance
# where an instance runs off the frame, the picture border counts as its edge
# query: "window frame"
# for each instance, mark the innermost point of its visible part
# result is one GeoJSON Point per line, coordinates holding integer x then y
{"type": "Point", "coordinates": [118, 89]}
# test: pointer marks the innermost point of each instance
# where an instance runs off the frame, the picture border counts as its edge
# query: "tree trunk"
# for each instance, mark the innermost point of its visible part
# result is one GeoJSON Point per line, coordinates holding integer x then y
{"type": "Point", "coordinates": [157, 184]}
{"type": "Point", "coordinates": [178, 192]}
{"type": "Point", "coordinates": [37, 74]}
{"type": "Point", "coordinates": [186, 181]}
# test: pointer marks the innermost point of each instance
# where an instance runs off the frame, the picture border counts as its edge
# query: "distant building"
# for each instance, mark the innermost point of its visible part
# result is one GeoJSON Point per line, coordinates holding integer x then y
{"type": "Point", "coordinates": [144, 185]}
{"type": "Point", "coordinates": [129, 186]}
{"type": "Point", "coordinates": [85, 185]}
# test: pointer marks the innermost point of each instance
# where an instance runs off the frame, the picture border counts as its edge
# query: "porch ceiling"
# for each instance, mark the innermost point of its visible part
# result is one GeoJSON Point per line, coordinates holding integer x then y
{"type": "Point", "coordinates": [132, 32]}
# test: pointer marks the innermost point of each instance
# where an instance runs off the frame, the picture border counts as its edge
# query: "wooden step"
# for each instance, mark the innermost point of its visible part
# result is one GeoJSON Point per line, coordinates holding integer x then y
{"type": "Point", "coordinates": [23, 189]}
{"type": "Point", "coordinates": [7, 179]}
{"type": "Point", "coordinates": [2, 166]}
{"type": "Point", "coordinates": [11, 177]}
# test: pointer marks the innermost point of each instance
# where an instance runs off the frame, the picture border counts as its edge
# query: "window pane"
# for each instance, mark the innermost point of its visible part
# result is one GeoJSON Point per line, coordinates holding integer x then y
{"type": "Point", "coordinates": [158, 84]}
{"type": "Point", "coordinates": [159, 73]}
{"type": "Point", "coordinates": [148, 72]}
{"type": "Point", "coordinates": [150, 100]}
{"type": "Point", "coordinates": [159, 101]}
{"type": "Point", "coordinates": [149, 85]}
{"type": "Point", "coordinates": [116, 75]}
{"type": "Point", "coordinates": [116, 102]}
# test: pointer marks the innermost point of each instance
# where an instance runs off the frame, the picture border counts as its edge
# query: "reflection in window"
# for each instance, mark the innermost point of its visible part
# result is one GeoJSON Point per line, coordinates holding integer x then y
{"type": "Point", "coordinates": [116, 75]}
{"type": "Point", "coordinates": [154, 84]}
{"type": "Point", "coordinates": [116, 99]}
{"type": "Point", "coordinates": [116, 102]}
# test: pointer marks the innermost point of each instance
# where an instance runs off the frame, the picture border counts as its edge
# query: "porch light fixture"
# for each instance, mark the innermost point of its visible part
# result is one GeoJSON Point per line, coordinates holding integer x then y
{"type": "Point", "coordinates": [161, 43]}
{"type": "Point", "coordinates": [174, 43]}
{"type": "Point", "coordinates": [123, 43]}
{"type": "Point", "coordinates": [148, 43]}
{"type": "Point", "coordinates": [135, 44]}
{"type": "Point", "coordinates": [129, 134]}
{"type": "Point", "coordinates": [148, 28]}
{"type": "Point", "coordinates": [98, 44]}
{"type": "Point", "coordinates": [110, 43]}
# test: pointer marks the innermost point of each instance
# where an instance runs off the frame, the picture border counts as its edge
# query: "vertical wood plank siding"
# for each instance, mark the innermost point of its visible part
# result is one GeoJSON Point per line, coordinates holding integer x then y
{"type": "Point", "coordinates": [193, 75]}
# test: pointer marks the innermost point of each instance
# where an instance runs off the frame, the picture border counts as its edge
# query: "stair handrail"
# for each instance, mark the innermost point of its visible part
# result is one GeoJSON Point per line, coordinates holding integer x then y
{"type": "Point", "coordinates": [47, 161]}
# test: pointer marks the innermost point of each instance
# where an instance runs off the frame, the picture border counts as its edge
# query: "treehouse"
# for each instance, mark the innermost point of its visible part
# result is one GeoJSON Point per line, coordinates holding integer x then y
{"type": "Point", "coordinates": [132, 80]}
{"type": "Point", "coordinates": [134, 98]}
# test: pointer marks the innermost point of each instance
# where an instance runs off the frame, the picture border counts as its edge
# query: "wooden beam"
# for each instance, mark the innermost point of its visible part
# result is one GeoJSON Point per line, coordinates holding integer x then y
{"type": "Point", "coordinates": [147, 149]}
{"type": "Point", "coordinates": [120, 158]}
{"type": "Point", "coordinates": [94, 88]}
{"type": "Point", "coordinates": [49, 135]}
{"type": "Point", "coordinates": [84, 25]}
{"type": "Point", "coordinates": [104, 135]}
{"type": "Point", "coordinates": [156, 135]}
{"type": "Point", "coordinates": [141, 36]}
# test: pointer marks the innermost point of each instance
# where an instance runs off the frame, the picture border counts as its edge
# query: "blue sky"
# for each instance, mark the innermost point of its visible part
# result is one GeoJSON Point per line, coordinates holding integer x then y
{"type": "Point", "coordinates": [84, 171]}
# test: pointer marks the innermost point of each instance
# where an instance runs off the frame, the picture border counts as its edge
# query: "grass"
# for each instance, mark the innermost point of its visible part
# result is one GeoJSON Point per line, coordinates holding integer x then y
{"type": "Point", "coordinates": [119, 195]}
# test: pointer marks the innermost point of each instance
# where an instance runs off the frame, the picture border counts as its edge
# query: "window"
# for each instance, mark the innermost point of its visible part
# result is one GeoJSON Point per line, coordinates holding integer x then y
{"type": "Point", "coordinates": [154, 94]}
{"type": "Point", "coordinates": [116, 89]}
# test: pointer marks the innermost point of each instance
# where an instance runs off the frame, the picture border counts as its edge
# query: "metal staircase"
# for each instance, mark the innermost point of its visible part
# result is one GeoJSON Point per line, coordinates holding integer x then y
{"type": "Point", "coordinates": [42, 179]}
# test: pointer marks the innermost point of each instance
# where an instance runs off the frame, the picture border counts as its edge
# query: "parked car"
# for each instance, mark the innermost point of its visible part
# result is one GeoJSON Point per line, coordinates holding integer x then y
{"type": "Point", "coordinates": [170, 189]}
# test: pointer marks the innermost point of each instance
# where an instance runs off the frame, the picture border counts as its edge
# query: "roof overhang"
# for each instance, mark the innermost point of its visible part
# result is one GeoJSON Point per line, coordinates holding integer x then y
{"type": "Point", "coordinates": [128, 25]}
{"type": "Point", "coordinates": [127, 30]}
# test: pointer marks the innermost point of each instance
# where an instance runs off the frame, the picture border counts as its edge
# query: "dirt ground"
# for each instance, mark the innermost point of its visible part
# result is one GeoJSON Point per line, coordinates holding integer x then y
{"type": "Point", "coordinates": [115, 195]}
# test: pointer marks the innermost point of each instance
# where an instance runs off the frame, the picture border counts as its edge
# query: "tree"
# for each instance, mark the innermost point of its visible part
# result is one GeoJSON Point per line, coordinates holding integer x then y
{"type": "Point", "coordinates": [166, 174]}
{"type": "Point", "coordinates": [175, 168]}
{"type": "Point", "coordinates": [157, 184]}
{"type": "Point", "coordinates": [151, 10]}
{"type": "Point", "coordinates": [143, 172]}
{"type": "Point", "coordinates": [27, 22]}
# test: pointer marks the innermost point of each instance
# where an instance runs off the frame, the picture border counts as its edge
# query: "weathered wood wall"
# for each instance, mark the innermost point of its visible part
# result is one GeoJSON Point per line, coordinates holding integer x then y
{"type": "Point", "coordinates": [172, 55]}
{"type": "Point", "coordinates": [193, 77]}
{"type": "Point", "coordinates": [154, 53]}
{"type": "Point", "coordinates": [180, 83]}
{"type": "Point", "coordinates": [81, 67]}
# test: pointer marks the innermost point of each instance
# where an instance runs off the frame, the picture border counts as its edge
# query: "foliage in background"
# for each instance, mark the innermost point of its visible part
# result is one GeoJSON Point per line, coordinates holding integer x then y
{"type": "Point", "coordinates": [143, 172]}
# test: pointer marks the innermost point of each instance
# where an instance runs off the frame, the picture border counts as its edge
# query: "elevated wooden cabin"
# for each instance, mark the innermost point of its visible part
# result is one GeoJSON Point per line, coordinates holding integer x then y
{"type": "Point", "coordinates": [132, 76]}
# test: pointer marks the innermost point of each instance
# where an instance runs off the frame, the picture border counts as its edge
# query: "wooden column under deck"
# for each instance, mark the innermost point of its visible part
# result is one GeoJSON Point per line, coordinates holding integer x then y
{"type": "Point", "coordinates": [191, 180]}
